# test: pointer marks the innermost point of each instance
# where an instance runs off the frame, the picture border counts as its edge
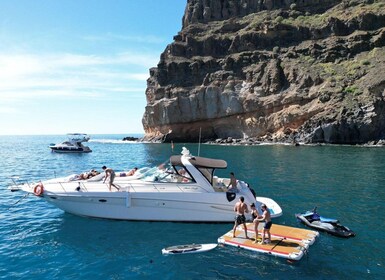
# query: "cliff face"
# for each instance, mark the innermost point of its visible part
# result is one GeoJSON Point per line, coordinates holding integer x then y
{"type": "Point", "coordinates": [282, 70]}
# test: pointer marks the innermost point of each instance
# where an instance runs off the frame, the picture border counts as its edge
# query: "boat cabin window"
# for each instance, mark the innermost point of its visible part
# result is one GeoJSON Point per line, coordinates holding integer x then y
{"type": "Point", "coordinates": [68, 143]}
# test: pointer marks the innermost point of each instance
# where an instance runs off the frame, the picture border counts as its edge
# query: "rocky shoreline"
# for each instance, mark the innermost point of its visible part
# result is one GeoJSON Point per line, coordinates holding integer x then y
{"type": "Point", "coordinates": [254, 141]}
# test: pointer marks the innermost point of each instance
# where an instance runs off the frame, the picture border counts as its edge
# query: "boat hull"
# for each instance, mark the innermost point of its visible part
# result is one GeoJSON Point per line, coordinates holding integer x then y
{"type": "Point", "coordinates": [68, 151]}
{"type": "Point", "coordinates": [146, 207]}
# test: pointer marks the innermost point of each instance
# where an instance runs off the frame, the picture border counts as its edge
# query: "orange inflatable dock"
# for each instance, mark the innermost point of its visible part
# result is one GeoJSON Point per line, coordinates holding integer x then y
{"type": "Point", "coordinates": [286, 242]}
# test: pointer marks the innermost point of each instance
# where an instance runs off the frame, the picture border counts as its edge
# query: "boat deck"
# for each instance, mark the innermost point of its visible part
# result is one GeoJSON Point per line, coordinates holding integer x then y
{"type": "Point", "coordinates": [286, 242]}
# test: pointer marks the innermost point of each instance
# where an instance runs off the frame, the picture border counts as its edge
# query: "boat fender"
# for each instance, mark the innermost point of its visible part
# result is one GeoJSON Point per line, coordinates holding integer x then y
{"type": "Point", "coordinates": [38, 190]}
{"type": "Point", "coordinates": [230, 196]}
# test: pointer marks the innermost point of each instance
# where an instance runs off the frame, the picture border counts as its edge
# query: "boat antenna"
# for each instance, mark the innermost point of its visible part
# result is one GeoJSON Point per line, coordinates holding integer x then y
{"type": "Point", "coordinates": [199, 142]}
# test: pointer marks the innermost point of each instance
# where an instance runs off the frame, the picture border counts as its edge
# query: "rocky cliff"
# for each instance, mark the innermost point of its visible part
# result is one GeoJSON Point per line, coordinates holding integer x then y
{"type": "Point", "coordinates": [310, 71]}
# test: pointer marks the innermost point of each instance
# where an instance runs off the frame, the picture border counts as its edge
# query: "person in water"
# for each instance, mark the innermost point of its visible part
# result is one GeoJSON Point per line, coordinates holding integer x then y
{"type": "Point", "coordinates": [111, 175]}
{"type": "Point", "coordinates": [240, 208]}
{"type": "Point", "coordinates": [266, 229]}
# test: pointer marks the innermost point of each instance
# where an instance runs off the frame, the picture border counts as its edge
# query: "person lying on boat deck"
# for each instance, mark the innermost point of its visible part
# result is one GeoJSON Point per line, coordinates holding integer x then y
{"type": "Point", "coordinates": [241, 208]}
{"type": "Point", "coordinates": [267, 218]}
{"type": "Point", "coordinates": [129, 173]}
{"type": "Point", "coordinates": [88, 175]}
{"type": "Point", "coordinates": [132, 171]}
{"type": "Point", "coordinates": [255, 216]}
{"type": "Point", "coordinates": [232, 186]}
{"type": "Point", "coordinates": [111, 175]}
{"type": "Point", "coordinates": [94, 172]}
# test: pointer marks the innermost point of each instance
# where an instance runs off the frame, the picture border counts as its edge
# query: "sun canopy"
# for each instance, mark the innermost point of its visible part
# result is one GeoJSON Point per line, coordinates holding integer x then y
{"type": "Point", "coordinates": [200, 162]}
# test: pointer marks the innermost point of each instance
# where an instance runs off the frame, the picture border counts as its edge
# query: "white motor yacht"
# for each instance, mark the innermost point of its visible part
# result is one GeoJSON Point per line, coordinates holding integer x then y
{"type": "Point", "coordinates": [73, 144]}
{"type": "Point", "coordinates": [186, 191]}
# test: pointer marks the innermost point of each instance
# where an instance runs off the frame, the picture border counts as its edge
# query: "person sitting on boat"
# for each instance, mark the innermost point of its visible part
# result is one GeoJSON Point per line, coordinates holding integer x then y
{"type": "Point", "coordinates": [232, 186]}
{"type": "Point", "coordinates": [184, 177]}
{"type": "Point", "coordinates": [111, 175]}
{"type": "Point", "coordinates": [266, 229]}
{"type": "Point", "coordinates": [255, 216]}
{"type": "Point", "coordinates": [241, 208]}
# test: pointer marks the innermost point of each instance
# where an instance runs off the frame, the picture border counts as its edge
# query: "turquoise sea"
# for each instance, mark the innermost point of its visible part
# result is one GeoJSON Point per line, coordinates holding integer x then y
{"type": "Point", "coordinates": [38, 241]}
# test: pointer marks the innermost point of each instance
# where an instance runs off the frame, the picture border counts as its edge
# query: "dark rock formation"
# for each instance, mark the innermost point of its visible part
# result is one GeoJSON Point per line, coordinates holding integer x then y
{"type": "Point", "coordinates": [280, 70]}
{"type": "Point", "coordinates": [130, 138]}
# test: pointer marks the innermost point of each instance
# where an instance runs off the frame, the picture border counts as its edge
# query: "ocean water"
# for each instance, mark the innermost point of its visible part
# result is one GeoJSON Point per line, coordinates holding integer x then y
{"type": "Point", "coordinates": [38, 241]}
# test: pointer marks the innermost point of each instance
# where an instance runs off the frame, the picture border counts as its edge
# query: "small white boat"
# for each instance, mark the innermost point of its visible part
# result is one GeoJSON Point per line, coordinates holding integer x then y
{"type": "Point", "coordinates": [188, 249]}
{"type": "Point", "coordinates": [72, 145]}
{"type": "Point", "coordinates": [153, 194]}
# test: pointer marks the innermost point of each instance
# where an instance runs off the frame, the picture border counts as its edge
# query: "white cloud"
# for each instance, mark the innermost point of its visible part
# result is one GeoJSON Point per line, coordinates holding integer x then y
{"type": "Point", "coordinates": [70, 75]}
{"type": "Point", "coordinates": [18, 66]}
{"type": "Point", "coordinates": [8, 110]}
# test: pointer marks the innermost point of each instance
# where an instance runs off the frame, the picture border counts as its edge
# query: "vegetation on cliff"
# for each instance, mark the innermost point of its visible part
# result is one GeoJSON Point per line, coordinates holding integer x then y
{"type": "Point", "coordinates": [312, 71]}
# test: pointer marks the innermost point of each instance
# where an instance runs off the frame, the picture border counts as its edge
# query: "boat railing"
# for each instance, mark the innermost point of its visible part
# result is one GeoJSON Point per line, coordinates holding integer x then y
{"type": "Point", "coordinates": [18, 183]}
{"type": "Point", "coordinates": [82, 186]}
{"type": "Point", "coordinates": [130, 187]}
{"type": "Point", "coordinates": [158, 187]}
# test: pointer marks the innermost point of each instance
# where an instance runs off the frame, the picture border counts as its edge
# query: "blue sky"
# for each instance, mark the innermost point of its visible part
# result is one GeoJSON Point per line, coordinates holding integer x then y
{"type": "Point", "coordinates": [80, 65]}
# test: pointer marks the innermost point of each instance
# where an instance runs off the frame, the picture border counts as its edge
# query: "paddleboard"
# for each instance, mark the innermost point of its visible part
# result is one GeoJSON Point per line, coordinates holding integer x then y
{"type": "Point", "coordinates": [188, 248]}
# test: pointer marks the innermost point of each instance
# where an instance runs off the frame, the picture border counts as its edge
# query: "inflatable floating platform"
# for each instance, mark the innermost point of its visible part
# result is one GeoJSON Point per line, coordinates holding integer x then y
{"type": "Point", "coordinates": [286, 242]}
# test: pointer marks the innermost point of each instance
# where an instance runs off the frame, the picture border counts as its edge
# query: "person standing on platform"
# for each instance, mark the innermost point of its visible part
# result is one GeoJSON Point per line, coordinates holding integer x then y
{"type": "Point", "coordinates": [240, 208]}
{"type": "Point", "coordinates": [266, 228]}
{"type": "Point", "coordinates": [255, 216]}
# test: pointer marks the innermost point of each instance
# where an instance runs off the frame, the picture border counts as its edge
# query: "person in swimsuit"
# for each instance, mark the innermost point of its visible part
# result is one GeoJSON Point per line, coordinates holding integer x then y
{"type": "Point", "coordinates": [232, 187]}
{"type": "Point", "coordinates": [255, 216]}
{"type": "Point", "coordinates": [132, 171]}
{"type": "Point", "coordinates": [240, 208]}
{"type": "Point", "coordinates": [109, 174]}
{"type": "Point", "coordinates": [266, 229]}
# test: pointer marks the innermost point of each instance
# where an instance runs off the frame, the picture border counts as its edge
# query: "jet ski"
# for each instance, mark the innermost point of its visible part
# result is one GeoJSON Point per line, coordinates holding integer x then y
{"type": "Point", "coordinates": [332, 226]}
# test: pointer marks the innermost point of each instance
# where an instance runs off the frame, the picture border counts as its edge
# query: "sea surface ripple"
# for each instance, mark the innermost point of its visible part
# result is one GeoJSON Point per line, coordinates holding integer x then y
{"type": "Point", "coordinates": [39, 241]}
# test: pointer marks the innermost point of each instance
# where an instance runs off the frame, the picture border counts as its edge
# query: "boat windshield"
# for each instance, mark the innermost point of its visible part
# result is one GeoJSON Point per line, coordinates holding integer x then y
{"type": "Point", "coordinates": [78, 137]}
{"type": "Point", "coordinates": [162, 174]}
{"type": "Point", "coordinates": [208, 173]}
